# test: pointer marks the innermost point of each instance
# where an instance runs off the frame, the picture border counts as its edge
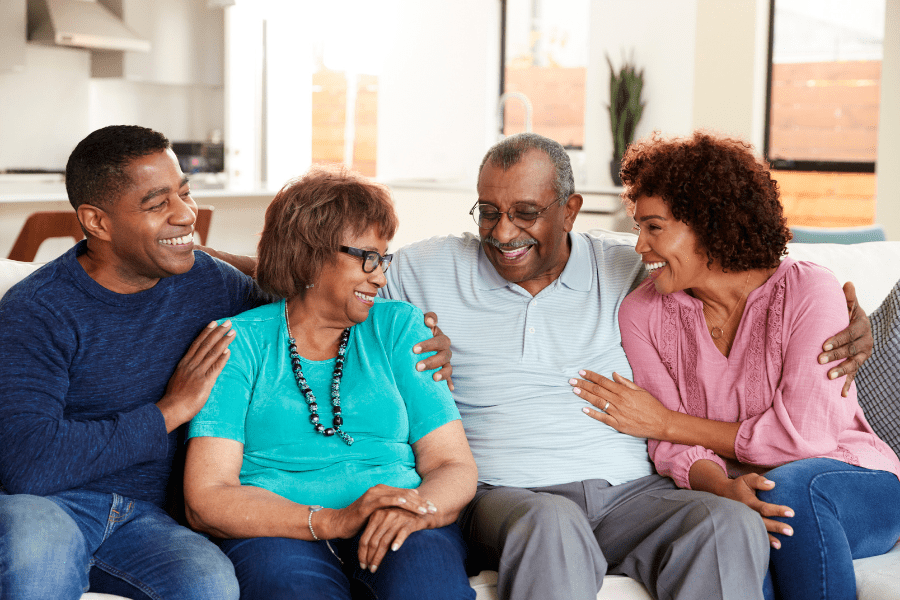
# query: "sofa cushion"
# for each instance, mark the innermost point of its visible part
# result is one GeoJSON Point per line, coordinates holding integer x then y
{"type": "Point", "coordinates": [878, 381]}
{"type": "Point", "coordinates": [13, 271]}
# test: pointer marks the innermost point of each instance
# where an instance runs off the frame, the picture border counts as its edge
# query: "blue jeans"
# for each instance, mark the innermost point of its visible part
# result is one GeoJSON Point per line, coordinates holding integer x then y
{"type": "Point", "coordinates": [429, 564]}
{"type": "Point", "coordinates": [842, 513]}
{"type": "Point", "coordinates": [49, 544]}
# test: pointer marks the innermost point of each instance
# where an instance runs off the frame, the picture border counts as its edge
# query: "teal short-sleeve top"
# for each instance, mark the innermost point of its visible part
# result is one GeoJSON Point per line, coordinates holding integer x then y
{"type": "Point", "coordinates": [386, 405]}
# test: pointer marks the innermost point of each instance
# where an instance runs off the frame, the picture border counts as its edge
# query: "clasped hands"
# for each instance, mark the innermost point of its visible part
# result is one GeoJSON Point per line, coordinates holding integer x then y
{"type": "Point", "coordinates": [386, 515]}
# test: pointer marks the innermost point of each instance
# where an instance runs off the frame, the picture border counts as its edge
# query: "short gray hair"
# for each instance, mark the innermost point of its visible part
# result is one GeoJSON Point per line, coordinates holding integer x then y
{"type": "Point", "coordinates": [509, 152]}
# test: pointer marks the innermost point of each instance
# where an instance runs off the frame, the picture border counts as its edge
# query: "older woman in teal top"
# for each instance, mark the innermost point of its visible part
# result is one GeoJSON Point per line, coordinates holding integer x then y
{"type": "Point", "coordinates": [330, 467]}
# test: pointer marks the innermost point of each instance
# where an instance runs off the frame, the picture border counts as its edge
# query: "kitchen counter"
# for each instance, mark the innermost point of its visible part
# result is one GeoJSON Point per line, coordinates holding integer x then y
{"type": "Point", "coordinates": [425, 209]}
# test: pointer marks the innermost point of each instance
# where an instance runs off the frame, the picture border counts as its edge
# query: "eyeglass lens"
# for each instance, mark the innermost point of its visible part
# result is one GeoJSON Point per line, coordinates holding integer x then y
{"type": "Point", "coordinates": [486, 215]}
{"type": "Point", "coordinates": [373, 260]}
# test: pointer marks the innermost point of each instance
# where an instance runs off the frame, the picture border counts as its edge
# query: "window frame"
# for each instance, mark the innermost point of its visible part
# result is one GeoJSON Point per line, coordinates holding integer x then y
{"type": "Point", "coordinates": [781, 164]}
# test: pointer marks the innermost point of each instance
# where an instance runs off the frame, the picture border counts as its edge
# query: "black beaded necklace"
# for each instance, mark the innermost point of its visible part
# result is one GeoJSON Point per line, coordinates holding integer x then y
{"type": "Point", "coordinates": [337, 421]}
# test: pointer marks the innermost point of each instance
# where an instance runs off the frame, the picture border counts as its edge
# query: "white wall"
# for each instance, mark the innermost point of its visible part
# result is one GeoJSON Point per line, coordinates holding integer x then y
{"type": "Point", "coordinates": [660, 36]}
{"type": "Point", "coordinates": [44, 108]}
{"type": "Point", "coordinates": [438, 94]}
{"type": "Point", "coordinates": [887, 207]}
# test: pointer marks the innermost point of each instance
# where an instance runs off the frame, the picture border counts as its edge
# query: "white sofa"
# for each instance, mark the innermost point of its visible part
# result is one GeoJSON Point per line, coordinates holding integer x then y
{"type": "Point", "coordinates": [873, 267]}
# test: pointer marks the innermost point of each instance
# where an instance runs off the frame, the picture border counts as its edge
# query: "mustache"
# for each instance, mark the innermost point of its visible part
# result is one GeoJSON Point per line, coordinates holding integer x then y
{"type": "Point", "coordinates": [512, 245]}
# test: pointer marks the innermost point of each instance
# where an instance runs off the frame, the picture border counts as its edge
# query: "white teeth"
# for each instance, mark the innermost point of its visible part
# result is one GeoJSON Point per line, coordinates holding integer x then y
{"type": "Point", "coordinates": [365, 298]}
{"type": "Point", "coordinates": [185, 239]}
{"type": "Point", "coordinates": [655, 265]}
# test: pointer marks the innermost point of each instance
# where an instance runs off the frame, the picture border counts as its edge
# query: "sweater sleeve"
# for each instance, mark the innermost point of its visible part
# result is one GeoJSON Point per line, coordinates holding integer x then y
{"type": "Point", "coordinates": [638, 316]}
{"type": "Point", "coordinates": [808, 413]}
{"type": "Point", "coordinates": [42, 451]}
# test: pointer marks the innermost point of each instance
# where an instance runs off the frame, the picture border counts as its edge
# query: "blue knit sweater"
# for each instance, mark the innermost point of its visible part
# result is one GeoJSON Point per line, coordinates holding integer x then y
{"type": "Point", "coordinates": [81, 369]}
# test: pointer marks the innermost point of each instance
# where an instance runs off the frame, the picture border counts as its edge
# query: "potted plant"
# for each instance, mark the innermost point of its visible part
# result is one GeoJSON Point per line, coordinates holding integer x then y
{"type": "Point", "coordinates": [625, 109]}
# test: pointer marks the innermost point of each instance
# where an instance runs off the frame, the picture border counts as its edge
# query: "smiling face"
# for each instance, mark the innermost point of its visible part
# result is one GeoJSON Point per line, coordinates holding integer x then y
{"type": "Point", "coordinates": [149, 228]}
{"type": "Point", "coordinates": [344, 289]}
{"type": "Point", "coordinates": [535, 256]}
{"type": "Point", "coordinates": [668, 247]}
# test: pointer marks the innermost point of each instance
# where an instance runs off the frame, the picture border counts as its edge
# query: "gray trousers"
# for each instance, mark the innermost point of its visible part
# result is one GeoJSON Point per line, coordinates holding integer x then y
{"type": "Point", "coordinates": [560, 541]}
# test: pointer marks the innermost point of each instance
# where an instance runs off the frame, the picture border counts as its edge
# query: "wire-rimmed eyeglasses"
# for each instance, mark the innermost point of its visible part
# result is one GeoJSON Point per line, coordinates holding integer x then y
{"type": "Point", "coordinates": [522, 216]}
{"type": "Point", "coordinates": [371, 259]}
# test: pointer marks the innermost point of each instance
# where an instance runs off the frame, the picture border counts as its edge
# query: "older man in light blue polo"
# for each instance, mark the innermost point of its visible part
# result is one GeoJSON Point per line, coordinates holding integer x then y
{"type": "Point", "coordinates": [563, 500]}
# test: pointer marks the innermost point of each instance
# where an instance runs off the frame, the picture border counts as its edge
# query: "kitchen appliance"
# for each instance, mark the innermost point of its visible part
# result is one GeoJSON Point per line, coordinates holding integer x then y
{"type": "Point", "coordinates": [200, 157]}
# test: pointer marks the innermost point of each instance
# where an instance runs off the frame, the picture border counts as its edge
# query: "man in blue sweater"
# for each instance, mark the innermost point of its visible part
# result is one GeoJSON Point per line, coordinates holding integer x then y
{"type": "Point", "coordinates": [104, 353]}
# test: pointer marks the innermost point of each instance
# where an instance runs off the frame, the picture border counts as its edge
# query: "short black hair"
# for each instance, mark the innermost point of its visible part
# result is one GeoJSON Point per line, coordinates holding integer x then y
{"type": "Point", "coordinates": [96, 171]}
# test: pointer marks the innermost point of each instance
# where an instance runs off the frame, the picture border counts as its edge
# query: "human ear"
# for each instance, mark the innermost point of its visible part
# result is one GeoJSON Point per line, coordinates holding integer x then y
{"type": "Point", "coordinates": [571, 208]}
{"type": "Point", "coordinates": [94, 221]}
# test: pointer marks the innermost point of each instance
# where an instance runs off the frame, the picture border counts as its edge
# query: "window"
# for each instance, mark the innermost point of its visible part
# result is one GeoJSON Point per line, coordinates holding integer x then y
{"type": "Point", "coordinates": [348, 59]}
{"type": "Point", "coordinates": [822, 120]}
{"type": "Point", "coordinates": [544, 63]}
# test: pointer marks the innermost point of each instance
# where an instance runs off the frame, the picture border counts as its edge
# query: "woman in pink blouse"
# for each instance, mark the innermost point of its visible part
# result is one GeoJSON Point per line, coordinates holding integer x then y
{"type": "Point", "coordinates": [723, 338]}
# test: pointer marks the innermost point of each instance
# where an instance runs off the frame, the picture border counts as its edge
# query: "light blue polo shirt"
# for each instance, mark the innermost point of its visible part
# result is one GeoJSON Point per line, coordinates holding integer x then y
{"type": "Point", "coordinates": [513, 355]}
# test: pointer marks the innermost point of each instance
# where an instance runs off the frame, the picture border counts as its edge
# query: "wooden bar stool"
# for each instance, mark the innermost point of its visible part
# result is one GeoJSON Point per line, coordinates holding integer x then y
{"type": "Point", "coordinates": [42, 226]}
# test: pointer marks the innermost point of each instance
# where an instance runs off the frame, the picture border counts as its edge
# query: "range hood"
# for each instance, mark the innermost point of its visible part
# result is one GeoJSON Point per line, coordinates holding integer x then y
{"type": "Point", "coordinates": [80, 24]}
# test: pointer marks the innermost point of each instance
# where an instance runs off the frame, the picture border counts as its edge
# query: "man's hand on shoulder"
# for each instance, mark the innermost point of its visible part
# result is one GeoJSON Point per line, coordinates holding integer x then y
{"type": "Point", "coordinates": [195, 375]}
{"type": "Point", "coordinates": [440, 344]}
{"type": "Point", "coordinates": [244, 264]}
{"type": "Point", "coordinates": [854, 344]}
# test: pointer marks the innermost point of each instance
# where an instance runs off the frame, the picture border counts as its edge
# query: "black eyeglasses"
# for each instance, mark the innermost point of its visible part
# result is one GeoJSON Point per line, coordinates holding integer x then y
{"type": "Point", "coordinates": [371, 259]}
{"type": "Point", "coordinates": [522, 216]}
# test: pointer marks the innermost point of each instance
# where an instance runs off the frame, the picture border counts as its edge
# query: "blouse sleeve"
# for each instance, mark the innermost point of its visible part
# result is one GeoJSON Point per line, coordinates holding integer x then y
{"type": "Point", "coordinates": [429, 403]}
{"type": "Point", "coordinates": [640, 324]}
{"type": "Point", "coordinates": [808, 412]}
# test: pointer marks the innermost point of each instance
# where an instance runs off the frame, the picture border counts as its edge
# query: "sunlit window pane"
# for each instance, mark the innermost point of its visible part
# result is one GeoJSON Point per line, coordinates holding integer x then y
{"type": "Point", "coordinates": [546, 57]}
{"type": "Point", "coordinates": [826, 73]}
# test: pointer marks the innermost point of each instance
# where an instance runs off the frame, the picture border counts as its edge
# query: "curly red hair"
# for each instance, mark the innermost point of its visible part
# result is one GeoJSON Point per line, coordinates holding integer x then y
{"type": "Point", "coordinates": [717, 187]}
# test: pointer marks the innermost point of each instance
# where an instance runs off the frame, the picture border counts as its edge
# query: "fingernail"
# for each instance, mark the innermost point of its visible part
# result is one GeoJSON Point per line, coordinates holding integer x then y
{"type": "Point", "coordinates": [823, 360]}
{"type": "Point", "coordinates": [395, 547]}
{"type": "Point", "coordinates": [431, 506]}
{"type": "Point", "coordinates": [832, 375]}
{"type": "Point", "coordinates": [787, 531]}
{"type": "Point", "coordinates": [768, 481]}
{"type": "Point", "coordinates": [417, 349]}
{"type": "Point", "coordinates": [420, 366]}
{"type": "Point", "coordinates": [573, 381]}
{"type": "Point", "coordinates": [422, 510]}
{"type": "Point", "coordinates": [582, 373]}
{"type": "Point", "coordinates": [577, 390]}
{"type": "Point", "coordinates": [211, 325]}
{"type": "Point", "coordinates": [789, 513]}
{"type": "Point", "coordinates": [230, 333]}
{"type": "Point", "coordinates": [828, 347]}
{"type": "Point", "coordinates": [402, 500]}
{"type": "Point", "coordinates": [362, 566]}
{"type": "Point", "coordinates": [437, 377]}
{"type": "Point", "coordinates": [776, 544]}
{"type": "Point", "coordinates": [373, 568]}
{"type": "Point", "coordinates": [226, 324]}
{"type": "Point", "coordinates": [586, 411]}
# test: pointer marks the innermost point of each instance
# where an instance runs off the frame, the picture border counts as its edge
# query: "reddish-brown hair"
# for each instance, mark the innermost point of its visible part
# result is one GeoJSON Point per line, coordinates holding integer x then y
{"type": "Point", "coordinates": [306, 223]}
{"type": "Point", "coordinates": [717, 187]}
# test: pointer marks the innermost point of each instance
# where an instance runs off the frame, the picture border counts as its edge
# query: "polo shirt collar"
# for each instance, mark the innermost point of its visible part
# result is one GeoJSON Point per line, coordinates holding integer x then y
{"type": "Point", "coordinates": [577, 274]}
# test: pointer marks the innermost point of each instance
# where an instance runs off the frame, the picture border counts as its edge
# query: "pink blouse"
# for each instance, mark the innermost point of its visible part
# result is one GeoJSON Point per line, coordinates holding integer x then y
{"type": "Point", "coordinates": [771, 382]}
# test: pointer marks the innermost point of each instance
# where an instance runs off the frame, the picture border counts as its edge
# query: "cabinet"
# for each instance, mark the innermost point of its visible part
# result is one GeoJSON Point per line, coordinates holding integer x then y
{"type": "Point", "coordinates": [186, 38]}
{"type": "Point", "coordinates": [12, 35]}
